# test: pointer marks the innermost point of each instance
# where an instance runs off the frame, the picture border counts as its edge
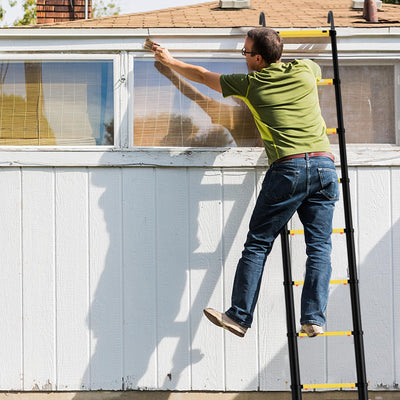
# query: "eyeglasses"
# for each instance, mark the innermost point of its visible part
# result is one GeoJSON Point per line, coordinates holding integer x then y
{"type": "Point", "coordinates": [244, 52]}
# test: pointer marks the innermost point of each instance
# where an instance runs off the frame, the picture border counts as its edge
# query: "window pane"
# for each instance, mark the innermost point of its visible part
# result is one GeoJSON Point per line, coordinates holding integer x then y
{"type": "Point", "coordinates": [56, 103]}
{"type": "Point", "coordinates": [171, 111]}
{"type": "Point", "coordinates": [368, 103]}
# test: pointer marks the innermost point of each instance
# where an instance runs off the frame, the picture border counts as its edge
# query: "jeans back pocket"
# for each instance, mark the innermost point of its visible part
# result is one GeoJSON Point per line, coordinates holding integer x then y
{"type": "Point", "coordinates": [329, 183]}
{"type": "Point", "coordinates": [280, 185]}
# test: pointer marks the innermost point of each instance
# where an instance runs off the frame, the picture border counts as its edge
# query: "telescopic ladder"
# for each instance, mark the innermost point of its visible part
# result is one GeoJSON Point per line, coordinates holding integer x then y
{"type": "Point", "coordinates": [357, 333]}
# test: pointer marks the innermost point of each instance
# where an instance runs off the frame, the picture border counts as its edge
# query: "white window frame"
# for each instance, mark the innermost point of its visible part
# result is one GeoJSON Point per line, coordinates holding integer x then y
{"type": "Point", "coordinates": [352, 61]}
{"type": "Point", "coordinates": [366, 154]}
{"type": "Point", "coordinates": [119, 98]}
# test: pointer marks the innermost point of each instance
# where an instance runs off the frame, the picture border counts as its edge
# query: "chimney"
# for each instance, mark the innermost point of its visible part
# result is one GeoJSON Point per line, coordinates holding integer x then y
{"type": "Point", "coordinates": [50, 11]}
{"type": "Point", "coordinates": [237, 4]}
{"type": "Point", "coordinates": [359, 4]}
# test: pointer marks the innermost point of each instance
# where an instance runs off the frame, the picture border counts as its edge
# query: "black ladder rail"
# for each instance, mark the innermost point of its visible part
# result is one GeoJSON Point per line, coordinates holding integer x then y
{"type": "Point", "coordinates": [362, 383]}
{"type": "Point", "coordinates": [290, 317]}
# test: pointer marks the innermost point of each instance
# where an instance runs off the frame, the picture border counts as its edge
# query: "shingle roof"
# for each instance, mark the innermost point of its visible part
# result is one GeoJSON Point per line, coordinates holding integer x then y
{"type": "Point", "coordinates": [278, 13]}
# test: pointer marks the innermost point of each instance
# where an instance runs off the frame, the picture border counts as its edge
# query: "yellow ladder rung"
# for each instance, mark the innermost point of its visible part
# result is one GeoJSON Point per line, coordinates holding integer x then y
{"type": "Point", "coordinates": [339, 282]}
{"type": "Point", "coordinates": [338, 230]}
{"type": "Point", "coordinates": [323, 82]}
{"type": "Point", "coordinates": [331, 131]}
{"type": "Point", "coordinates": [303, 34]}
{"type": "Point", "coordinates": [337, 333]}
{"type": "Point", "coordinates": [330, 385]}
{"type": "Point", "coordinates": [301, 231]}
{"type": "Point", "coordinates": [332, 282]}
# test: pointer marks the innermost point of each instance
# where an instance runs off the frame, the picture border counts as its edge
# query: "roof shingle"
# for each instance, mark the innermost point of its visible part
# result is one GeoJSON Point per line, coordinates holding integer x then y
{"type": "Point", "coordinates": [278, 13]}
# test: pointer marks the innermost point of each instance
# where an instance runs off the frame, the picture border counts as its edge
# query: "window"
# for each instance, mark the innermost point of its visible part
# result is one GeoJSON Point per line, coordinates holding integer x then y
{"type": "Point", "coordinates": [368, 103]}
{"type": "Point", "coordinates": [56, 103]}
{"type": "Point", "coordinates": [171, 111]}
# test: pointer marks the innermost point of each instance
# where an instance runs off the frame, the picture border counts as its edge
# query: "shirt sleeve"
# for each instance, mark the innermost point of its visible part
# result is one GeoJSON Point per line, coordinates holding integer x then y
{"type": "Point", "coordinates": [315, 68]}
{"type": "Point", "coordinates": [234, 85]}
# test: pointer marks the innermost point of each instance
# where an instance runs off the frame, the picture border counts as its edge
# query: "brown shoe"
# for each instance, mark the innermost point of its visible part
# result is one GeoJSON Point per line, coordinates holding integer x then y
{"type": "Point", "coordinates": [311, 330]}
{"type": "Point", "coordinates": [223, 321]}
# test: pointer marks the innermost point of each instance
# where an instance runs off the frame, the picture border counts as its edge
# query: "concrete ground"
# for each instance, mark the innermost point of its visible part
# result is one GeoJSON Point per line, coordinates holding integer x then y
{"type": "Point", "coordinates": [148, 395]}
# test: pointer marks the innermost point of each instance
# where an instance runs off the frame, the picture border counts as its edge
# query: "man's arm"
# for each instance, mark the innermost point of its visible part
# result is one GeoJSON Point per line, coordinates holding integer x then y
{"type": "Point", "coordinates": [194, 73]}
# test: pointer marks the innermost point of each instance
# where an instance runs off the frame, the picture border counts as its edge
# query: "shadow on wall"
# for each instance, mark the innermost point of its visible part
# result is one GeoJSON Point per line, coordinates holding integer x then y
{"type": "Point", "coordinates": [144, 249]}
{"type": "Point", "coordinates": [144, 292]}
{"type": "Point", "coordinates": [170, 343]}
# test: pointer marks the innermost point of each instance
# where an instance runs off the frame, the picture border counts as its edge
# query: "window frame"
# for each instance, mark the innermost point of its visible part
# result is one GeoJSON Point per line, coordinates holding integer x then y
{"type": "Point", "coordinates": [117, 81]}
{"type": "Point", "coordinates": [361, 152]}
{"type": "Point", "coordinates": [354, 61]}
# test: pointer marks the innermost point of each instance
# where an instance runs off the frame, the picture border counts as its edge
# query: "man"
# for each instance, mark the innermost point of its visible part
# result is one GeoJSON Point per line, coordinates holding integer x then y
{"type": "Point", "coordinates": [283, 99]}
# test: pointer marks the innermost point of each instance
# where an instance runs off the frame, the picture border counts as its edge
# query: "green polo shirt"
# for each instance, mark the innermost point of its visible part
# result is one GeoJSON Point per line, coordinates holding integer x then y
{"type": "Point", "coordinates": [283, 99]}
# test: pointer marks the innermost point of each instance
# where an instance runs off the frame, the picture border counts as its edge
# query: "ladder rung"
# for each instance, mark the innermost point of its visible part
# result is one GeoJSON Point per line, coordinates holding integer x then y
{"type": "Point", "coordinates": [330, 385]}
{"type": "Point", "coordinates": [337, 333]}
{"type": "Point", "coordinates": [331, 131]}
{"type": "Point", "coordinates": [332, 282]}
{"type": "Point", "coordinates": [323, 82]}
{"type": "Point", "coordinates": [339, 282]}
{"type": "Point", "coordinates": [301, 231]}
{"type": "Point", "coordinates": [303, 34]}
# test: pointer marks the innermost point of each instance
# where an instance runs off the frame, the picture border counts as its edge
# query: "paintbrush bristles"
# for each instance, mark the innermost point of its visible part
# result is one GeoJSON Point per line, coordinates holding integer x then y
{"type": "Point", "coordinates": [149, 44]}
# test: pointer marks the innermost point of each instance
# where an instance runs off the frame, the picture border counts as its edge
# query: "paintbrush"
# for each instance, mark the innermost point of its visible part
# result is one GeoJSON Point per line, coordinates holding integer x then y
{"type": "Point", "coordinates": [149, 44]}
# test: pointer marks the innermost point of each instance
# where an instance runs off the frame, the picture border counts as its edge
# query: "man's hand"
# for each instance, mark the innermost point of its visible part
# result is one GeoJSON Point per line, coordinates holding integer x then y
{"type": "Point", "coordinates": [162, 55]}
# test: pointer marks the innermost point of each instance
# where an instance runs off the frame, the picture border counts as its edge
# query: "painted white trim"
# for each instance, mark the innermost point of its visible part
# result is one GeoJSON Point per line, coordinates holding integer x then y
{"type": "Point", "coordinates": [358, 155]}
{"type": "Point", "coordinates": [131, 99]}
{"type": "Point", "coordinates": [118, 94]}
{"type": "Point", "coordinates": [353, 40]}
{"type": "Point", "coordinates": [57, 57]}
{"type": "Point", "coordinates": [121, 128]}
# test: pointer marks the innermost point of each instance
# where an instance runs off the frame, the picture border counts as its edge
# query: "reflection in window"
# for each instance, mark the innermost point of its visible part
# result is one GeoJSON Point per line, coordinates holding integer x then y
{"type": "Point", "coordinates": [368, 103]}
{"type": "Point", "coordinates": [171, 111]}
{"type": "Point", "coordinates": [56, 103]}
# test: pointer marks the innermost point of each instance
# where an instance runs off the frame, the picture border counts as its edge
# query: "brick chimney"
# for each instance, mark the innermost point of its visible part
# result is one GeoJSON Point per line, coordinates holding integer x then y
{"type": "Point", "coordinates": [49, 11]}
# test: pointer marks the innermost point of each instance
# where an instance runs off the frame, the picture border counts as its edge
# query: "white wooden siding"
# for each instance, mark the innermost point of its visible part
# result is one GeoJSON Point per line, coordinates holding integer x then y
{"type": "Point", "coordinates": [105, 272]}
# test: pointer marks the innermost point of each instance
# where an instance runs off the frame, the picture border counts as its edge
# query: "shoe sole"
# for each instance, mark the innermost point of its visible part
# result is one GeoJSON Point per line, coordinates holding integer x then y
{"type": "Point", "coordinates": [217, 321]}
{"type": "Point", "coordinates": [311, 334]}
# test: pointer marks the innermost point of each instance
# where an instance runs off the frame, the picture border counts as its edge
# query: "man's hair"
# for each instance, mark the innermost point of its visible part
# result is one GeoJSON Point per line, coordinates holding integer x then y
{"type": "Point", "coordinates": [267, 43]}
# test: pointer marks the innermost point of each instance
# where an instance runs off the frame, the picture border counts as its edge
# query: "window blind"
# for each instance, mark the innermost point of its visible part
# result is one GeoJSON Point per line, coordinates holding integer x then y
{"type": "Point", "coordinates": [56, 103]}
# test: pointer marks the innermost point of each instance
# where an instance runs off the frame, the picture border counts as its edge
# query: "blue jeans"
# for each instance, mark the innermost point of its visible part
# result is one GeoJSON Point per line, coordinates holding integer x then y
{"type": "Point", "coordinates": [310, 187]}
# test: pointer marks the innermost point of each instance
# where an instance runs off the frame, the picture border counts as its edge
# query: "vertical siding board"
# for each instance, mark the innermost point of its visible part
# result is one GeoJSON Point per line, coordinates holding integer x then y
{"type": "Point", "coordinates": [139, 228]}
{"type": "Point", "coordinates": [207, 349]}
{"type": "Point", "coordinates": [173, 284]}
{"type": "Point", "coordinates": [11, 346]}
{"type": "Point", "coordinates": [376, 271]}
{"type": "Point", "coordinates": [395, 185]}
{"type": "Point", "coordinates": [72, 278]}
{"type": "Point", "coordinates": [272, 338]}
{"type": "Point", "coordinates": [39, 279]}
{"type": "Point", "coordinates": [105, 315]}
{"type": "Point", "coordinates": [239, 199]}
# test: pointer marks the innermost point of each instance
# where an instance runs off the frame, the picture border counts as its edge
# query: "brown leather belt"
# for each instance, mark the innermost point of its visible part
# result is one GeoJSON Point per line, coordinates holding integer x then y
{"type": "Point", "coordinates": [303, 155]}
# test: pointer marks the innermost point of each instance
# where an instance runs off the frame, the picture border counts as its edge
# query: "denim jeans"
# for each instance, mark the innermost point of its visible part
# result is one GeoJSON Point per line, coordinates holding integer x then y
{"type": "Point", "coordinates": [310, 187]}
